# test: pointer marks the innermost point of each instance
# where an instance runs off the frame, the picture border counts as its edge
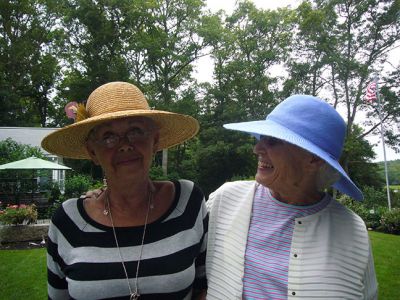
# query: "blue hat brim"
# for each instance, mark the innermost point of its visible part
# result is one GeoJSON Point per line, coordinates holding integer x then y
{"type": "Point", "coordinates": [270, 128]}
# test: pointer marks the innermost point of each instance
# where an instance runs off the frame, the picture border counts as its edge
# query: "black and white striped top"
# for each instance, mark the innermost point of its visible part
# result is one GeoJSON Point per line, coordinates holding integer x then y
{"type": "Point", "coordinates": [83, 261]}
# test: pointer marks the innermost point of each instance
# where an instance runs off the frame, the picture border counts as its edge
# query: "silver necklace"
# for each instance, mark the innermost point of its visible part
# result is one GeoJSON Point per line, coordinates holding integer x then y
{"type": "Point", "coordinates": [134, 295]}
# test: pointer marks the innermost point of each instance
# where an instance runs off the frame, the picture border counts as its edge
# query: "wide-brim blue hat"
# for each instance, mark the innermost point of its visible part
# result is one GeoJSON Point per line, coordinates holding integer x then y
{"type": "Point", "coordinates": [311, 124]}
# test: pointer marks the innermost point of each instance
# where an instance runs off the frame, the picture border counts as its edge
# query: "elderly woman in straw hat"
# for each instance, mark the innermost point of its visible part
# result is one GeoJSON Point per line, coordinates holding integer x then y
{"type": "Point", "coordinates": [140, 239]}
{"type": "Point", "coordinates": [281, 236]}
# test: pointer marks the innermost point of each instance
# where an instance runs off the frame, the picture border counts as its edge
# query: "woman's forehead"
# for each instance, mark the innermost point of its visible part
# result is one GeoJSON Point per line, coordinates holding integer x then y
{"type": "Point", "coordinates": [126, 121]}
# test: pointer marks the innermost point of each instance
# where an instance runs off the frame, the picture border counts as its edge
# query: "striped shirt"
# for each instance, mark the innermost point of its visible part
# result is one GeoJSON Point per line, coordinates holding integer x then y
{"type": "Point", "coordinates": [269, 244]}
{"type": "Point", "coordinates": [83, 261]}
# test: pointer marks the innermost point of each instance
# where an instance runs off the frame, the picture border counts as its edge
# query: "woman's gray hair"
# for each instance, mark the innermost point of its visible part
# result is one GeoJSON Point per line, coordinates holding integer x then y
{"type": "Point", "coordinates": [326, 177]}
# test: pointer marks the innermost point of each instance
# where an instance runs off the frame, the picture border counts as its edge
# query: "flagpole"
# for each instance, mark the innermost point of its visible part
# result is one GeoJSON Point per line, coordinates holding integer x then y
{"type": "Point", "coordinates": [383, 141]}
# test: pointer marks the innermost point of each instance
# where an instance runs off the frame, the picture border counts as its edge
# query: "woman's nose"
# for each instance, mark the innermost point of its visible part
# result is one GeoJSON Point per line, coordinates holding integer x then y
{"type": "Point", "coordinates": [125, 145]}
{"type": "Point", "coordinates": [259, 147]}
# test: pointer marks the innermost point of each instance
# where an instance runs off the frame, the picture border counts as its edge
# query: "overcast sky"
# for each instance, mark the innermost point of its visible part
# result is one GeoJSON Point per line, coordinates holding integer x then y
{"type": "Point", "coordinates": [204, 72]}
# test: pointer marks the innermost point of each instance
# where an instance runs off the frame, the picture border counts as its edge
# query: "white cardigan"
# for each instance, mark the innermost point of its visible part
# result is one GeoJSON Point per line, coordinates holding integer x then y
{"type": "Point", "coordinates": [333, 255]}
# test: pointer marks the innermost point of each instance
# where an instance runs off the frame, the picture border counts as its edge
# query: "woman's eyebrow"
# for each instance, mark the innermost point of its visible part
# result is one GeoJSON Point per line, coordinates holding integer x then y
{"type": "Point", "coordinates": [136, 122]}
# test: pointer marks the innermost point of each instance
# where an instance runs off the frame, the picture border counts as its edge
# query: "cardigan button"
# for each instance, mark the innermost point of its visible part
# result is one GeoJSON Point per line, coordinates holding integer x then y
{"type": "Point", "coordinates": [295, 255]}
{"type": "Point", "coordinates": [299, 222]}
{"type": "Point", "coordinates": [294, 293]}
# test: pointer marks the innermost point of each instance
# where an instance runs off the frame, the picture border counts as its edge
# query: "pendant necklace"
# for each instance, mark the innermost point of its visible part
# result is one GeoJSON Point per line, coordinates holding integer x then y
{"type": "Point", "coordinates": [134, 294]}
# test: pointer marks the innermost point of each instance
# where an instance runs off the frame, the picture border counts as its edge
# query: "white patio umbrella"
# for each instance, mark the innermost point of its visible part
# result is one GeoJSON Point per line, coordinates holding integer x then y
{"type": "Point", "coordinates": [32, 163]}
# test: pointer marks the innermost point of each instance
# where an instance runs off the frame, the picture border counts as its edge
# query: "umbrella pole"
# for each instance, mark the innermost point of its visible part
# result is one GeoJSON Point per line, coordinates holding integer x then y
{"type": "Point", "coordinates": [33, 177]}
{"type": "Point", "coordinates": [17, 189]}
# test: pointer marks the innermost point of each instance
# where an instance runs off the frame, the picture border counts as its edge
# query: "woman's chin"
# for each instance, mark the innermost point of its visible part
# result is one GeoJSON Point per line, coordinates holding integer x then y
{"type": "Point", "coordinates": [261, 181]}
{"type": "Point", "coordinates": [128, 168]}
{"type": "Point", "coordinates": [264, 176]}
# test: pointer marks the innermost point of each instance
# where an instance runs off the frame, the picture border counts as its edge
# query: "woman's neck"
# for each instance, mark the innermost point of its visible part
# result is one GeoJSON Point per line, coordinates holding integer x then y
{"type": "Point", "coordinates": [124, 194]}
{"type": "Point", "coordinates": [298, 197]}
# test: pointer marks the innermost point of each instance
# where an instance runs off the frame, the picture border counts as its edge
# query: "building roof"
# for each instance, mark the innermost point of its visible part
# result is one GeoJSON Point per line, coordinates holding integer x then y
{"type": "Point", "coordinates": [26, 135]}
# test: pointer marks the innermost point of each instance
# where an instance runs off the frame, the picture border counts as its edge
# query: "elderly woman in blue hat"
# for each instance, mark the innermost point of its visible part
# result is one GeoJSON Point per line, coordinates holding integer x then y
{"type": "Point", "coordinates": [281, 236]}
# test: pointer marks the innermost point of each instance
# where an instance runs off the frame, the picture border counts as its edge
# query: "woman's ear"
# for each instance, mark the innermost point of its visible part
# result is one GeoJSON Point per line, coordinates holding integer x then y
{"type": "Point", "coordinates": [92, 153]}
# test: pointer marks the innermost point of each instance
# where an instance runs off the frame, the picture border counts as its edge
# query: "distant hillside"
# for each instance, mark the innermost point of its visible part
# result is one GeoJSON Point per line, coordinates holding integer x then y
{"type": "Point", "coordinates": [393, 171]}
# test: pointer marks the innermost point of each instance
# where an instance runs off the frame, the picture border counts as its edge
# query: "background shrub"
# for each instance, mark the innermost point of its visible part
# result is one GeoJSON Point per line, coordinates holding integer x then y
{"type": "Point", "coordinates": [371, 216]}
{"type": "Point", "coordinates": [77, 185]}
{"type": "Point", "coordinates": [53, 207]}
{"type": "Point", "coordinates": [374, 197]}
{"type": "Point", "coordinates": [373, 219]}
{"type": "Point", "coordinates": [390, 221]}
{"type": "Point", "coordinates": [54, 192]}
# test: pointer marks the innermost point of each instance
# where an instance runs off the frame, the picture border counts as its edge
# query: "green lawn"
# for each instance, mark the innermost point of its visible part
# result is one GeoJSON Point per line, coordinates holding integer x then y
{"type": "Point", "coordinates": [386, 250]}
{"type": "Point", "coordinates": [23, 272]}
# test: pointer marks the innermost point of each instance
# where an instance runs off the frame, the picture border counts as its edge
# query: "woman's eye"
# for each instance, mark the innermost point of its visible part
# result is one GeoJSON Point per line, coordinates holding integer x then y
{"type": "Point", "coordinates": [271, 141]}
{"type": "Point", "coordinates": [136, 132]}
{"type": "Point", "coordinates": [109, 138]}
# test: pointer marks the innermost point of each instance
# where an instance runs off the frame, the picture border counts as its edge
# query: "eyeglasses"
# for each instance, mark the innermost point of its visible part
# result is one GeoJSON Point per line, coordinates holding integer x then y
{"type": "Point", "coordinates": [111, 140]}
{"type": "Point", "coordinates": [270, 141]}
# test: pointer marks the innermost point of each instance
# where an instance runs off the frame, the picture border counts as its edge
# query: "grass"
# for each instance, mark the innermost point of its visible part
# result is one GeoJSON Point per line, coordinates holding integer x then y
{"type": "Point", "coordinates": [23, 272]}
{"type": "Point", "coordinates": [386, 250]}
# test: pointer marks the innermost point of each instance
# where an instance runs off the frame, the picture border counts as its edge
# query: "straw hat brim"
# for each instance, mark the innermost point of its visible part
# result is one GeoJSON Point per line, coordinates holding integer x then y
{"type": "Point", "coordinates": [70, 141]}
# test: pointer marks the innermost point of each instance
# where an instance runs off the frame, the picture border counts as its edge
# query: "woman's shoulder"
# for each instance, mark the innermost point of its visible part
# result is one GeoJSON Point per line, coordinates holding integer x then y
{"type": "Point", "coordinates": [188, 199]}
{"type": "Point", "coordinates": [346, 215]}
{"type": "Point", "coordinates": [235, 186]}
{"type": "Point", "coordinates": [69, 206]}
{"type": "Point", "coordinates": [189, 185]}
{"type": "Point", "coordinates": [70, 201]}
{"type": "Point", "coordinates": [181, 188]}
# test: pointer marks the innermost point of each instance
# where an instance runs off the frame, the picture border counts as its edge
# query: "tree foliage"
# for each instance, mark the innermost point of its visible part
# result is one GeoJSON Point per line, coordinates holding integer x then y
{"type": "Point", "coordinates": [339, 46]}
{"type": "Point", "coordinates": [11, 150]}
{"type": "Point", "coordinates": [28, 63]}
{"type": "Point", "coordinates": [56, 51]}
{"type": "Point", "coordinates": [393, 168]}
{"type": "Point", "coordinates": [245, 47]}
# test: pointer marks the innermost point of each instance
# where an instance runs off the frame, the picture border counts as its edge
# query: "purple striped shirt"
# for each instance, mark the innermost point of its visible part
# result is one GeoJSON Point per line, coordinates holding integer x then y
{"type": "Point", "coordinates": [268, 245]}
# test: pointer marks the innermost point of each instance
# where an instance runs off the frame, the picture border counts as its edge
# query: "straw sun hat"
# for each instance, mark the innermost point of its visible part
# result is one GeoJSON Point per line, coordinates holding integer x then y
{"type": "Point", "coordinates": [112, 101]}
{"type": "Point", "coordinates": [311, 124]}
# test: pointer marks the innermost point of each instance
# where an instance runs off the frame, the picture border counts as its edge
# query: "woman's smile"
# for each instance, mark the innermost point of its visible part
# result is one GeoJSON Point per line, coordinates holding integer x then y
{"type": "Point", "coordinates": [126, 161]}
{"type": "Point", "coordinates": [264, 165]}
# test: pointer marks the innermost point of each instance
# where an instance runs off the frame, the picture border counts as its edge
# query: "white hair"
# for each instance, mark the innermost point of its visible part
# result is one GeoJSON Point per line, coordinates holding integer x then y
{"type": "Point", "coordinates": [326, 177]}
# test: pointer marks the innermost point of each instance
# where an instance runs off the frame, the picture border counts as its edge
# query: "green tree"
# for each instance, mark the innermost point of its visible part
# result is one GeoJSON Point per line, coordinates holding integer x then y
{"type": "Point", "coordinates": [172, 40]}
{"type": "Point", "coordinates": [359, 153]}
{"type": "Point", "coordinates": [28, 65]}
{"type": "Point", "coordinates": [339, 45]}
{"type": "Point", "coordinates": [171, 44]}
{"type": "Point", "coordinates": [11, 150]}
{"type": "Point", "coordinates": [245, 47]}
{"type": "Point", "coordinates": [312, 45]}
{"type": "Point", "coordinates": [393, 171]}
{"type": "Point", "coordinates": [251, 44]}
{"type": "Point", "coordinates": [97, 36]}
